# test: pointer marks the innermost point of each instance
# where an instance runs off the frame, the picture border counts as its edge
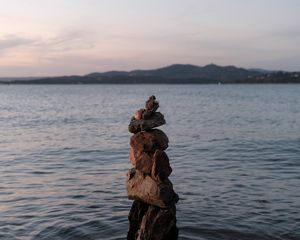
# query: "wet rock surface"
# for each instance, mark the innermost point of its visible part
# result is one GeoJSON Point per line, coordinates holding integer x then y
{"type": "Point", "coordinates": [153, 212]}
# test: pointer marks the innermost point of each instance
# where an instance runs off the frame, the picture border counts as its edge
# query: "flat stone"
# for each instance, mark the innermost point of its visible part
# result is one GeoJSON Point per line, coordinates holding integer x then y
{"type": "Point", "coordinates": [149, 141]}
{"type": "Point", "coordinates": [161, 168]}
{"type": "Point", "coordinates": [143, 188]}
{"type": "Point", "coordinates": [157, 119]}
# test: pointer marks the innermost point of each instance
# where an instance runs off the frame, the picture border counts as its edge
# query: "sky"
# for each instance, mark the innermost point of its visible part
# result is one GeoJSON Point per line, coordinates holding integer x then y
{"type": "Point", "coordinates": [70, 37]}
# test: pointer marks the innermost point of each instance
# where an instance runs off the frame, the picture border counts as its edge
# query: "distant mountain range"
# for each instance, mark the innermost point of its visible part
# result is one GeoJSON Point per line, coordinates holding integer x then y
{"type": "Point", "coordinates": [174, 74]}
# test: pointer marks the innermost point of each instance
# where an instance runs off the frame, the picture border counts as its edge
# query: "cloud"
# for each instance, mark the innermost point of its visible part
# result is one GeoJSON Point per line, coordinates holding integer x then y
{"type": "Point", "coordinates": [60, 42]}
{"type": "Point", "coordinates": [12, 41]}
{"type": "Point", "coordinates": [67, 41]}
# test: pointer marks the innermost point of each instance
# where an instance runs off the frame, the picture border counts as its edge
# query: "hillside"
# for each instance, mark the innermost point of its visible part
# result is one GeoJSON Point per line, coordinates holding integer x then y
{"type": "Point", "coordinates": [173, 74]}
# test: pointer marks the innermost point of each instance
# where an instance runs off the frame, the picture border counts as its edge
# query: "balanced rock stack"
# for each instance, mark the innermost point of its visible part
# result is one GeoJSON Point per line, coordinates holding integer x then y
{"type": "Point", "coordinates": [153, 212]}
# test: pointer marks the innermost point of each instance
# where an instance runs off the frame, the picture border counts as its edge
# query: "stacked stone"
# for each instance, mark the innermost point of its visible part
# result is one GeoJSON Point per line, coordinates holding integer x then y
{"type": "Point", "coordinates": [153, 213]}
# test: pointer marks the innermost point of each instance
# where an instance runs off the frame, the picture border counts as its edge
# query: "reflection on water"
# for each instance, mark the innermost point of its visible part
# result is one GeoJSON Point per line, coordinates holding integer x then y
{"type": "Point", "coordinates": [234, 150]}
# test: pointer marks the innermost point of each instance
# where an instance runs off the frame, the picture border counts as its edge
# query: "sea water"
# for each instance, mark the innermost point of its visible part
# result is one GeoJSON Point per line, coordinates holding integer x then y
{"type": "Point", "coordinates": [234, 150]}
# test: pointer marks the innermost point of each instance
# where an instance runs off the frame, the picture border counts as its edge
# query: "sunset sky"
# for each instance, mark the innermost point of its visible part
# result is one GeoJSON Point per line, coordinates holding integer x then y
{"type": "Point", "coordinates": [64, 37]}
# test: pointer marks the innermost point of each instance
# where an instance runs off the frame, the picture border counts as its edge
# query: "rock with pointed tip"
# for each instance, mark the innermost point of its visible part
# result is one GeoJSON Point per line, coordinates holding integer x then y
{"type": "Point", "coordinates": [151, 106]}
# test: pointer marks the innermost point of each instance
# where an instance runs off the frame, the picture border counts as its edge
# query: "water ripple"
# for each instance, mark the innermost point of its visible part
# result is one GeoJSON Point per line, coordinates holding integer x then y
{"type": "Point", "coordinates": [234, 151]}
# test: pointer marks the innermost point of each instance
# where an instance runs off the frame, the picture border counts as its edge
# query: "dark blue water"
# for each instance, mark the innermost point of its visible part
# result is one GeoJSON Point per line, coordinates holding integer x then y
{"type": "Point", "coordinates": [234, 150]}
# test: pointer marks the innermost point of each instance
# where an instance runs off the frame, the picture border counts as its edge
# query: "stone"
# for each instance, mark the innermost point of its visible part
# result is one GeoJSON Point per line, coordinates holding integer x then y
{"type": "Point", "coordinates": [151, 106]}
{"type": "Point", "coordinates": [143, 162]}
{"type": "Point", "coordinates": [153, 212]}
{"type": "Point", "coordinates": [158, 224]}
{"type": "Point", "coordinates": [139, 114]}
{"type": "Point", "coordinates": [149, 141]}
{"type": "Point", "coordinates": [135, 217]}
{"type": "Point", "coordinates": [161, 168]}
{"type": "Point", "coordinates": [157, 119]}
{"type": "Point", "coordinates": [132, 156]}
{"type": "Point", "coordinates": [148, 222]}
{"type": "Point", "coordinates": [147, 115]}
{"type": "Point", "coordinates": [143, 188]}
